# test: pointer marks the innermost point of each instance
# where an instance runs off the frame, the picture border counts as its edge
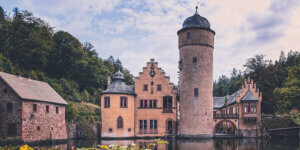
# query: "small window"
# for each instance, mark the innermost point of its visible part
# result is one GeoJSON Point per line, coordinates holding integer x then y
{"type": "Point", "coordinates": [57, 110]}
{"type": "Point", "coordinates": [155, 124]}
{"type": "Point", "coordinates": [195, 60]}
{"type": "Point", "coordinates": [145, 87]}
{"type": "Point", "coordinates": [141, 124]}
{"type": "Point", "coordinates": [106, 102]}
{"type": "Point", "coordinates": [38, 128]}
{"type": "Point", "coordinates": [154, 104]}
{"type": "Point", "coordinates": [34, 107]}
{"type": "Point", "coordinates": [151, 124]}
{"type": "Point", "coordinates": [141, 104]}
{"type": "Point", "coordinates": [120, 123]}
{"type": "Point", "coordinates": [110, 130]}
{"type": "Point", "coordinates": [146, 104]}
{"type": "Point", "coordinates": [145, 124]}
{"type": "Point", "coordinates": [129, 129]}
{"type": "Point", "coordinates": [196, 92]}
{"type": "Point", "coordinates": [123, 102]}
{"type": "Point", "coordinates": [188, 36]}
{"type": "Point", "coordinates": [150, 104]}
{"type": "Point", "coordinates": [158, 87]}
{"type": "Point", "coordinates": [9, 107]}
{"type": "Point", "coordinates": [47, 108]}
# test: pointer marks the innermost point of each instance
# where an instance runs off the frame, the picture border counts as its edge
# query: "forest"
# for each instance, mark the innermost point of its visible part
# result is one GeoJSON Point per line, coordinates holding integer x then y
{"type": "Point", "coordinates": [279, 82]}
{"type": "Point", "coordinates": [30, 47]}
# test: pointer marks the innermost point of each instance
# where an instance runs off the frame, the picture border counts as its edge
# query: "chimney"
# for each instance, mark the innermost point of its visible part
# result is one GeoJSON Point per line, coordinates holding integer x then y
{"type": "Point", "coordinates": [108, 80]}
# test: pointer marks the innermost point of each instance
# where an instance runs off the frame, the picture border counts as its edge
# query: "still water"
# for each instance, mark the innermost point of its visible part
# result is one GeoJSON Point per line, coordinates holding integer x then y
{"type": "Point", "coordinates": [203, 144]}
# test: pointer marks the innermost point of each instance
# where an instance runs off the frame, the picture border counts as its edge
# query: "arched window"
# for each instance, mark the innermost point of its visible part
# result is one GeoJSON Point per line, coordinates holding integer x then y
{"type": "Point", "coordinates": [120, 123]}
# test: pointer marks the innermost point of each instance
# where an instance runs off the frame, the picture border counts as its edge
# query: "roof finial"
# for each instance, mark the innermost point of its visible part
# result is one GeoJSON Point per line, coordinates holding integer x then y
{"type": "Point", "coordinates": [197, 8]}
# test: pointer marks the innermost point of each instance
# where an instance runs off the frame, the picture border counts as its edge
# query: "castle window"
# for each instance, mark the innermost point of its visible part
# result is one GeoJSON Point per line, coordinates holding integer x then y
{"type": "Point", "coordinates": [155, 124]}
{"type": "Point", "coordinates": [159, 87]}
{"type": "Point", "coordinates": [123, 102]}
{"type": "Point", "coordinates": [151, 124]}
{"type": "Point", "coordinates": [110, 130]}
{"type": "Point", "coordinates": [141, 104]}
{"type": "Point", "coordinates": [129, 129]}
{"type": "Point", "coordinates": [146, 104]}
{"type": "Point", "coordinates": [196, 93]}
{"type": "Point", "coordinates": [145, 87]}
{"type": "Point", "coordinates": [11, 129]}
{"type": "Point", "coordinates": [38, 128]}
{"type": "Point", "coordinates": [57, 110]}
{"type": "Point", "coordinates": [188, 37]}
{"type": "Point", "coordinates": [47, 108]}
{"type": "Point", "coordinates": [120, 123]}
{"type": "Point", "coordinates": [195, 60]}
{"type": "Point", "coordinates": [9, 107]}
{"type": "Point", "coordinates": [150, 104]}
{"type": "Point", "coordinates": [106, 102]}
{"type": "Point", "coordinates": [154, 103]}
{"type": "Point", "coordinates": [167, 104]}
{"type": "Point", "coordinates": [34, 107]}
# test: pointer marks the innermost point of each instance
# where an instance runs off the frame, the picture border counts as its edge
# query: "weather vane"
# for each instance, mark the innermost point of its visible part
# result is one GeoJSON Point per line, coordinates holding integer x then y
{"type": "Point", "coordinates": [199, 3]}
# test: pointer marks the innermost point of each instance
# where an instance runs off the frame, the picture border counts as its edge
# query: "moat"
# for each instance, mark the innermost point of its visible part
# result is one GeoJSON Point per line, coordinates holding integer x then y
{"type": "Point", "coordinates": [203, 144]}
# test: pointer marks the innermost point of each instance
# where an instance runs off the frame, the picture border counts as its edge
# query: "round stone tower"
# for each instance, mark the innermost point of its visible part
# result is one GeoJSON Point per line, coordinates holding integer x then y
{"type": "Point", "coordinates": [196, 46]}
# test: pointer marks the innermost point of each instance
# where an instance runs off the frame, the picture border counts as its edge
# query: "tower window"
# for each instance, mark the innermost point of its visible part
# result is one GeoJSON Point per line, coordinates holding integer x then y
{"type": "Point", "coordinates": [145, 87]}
{"type": "Point", "coordinates": [57, 110]}
{"type": "Point", "coordinates": [141, 104]}
{"type": "Point", "coordinates": [123, 102]}
{"type": "Point", "coordinates": [188, 36]}
{"type": "Point", "coordinates": [195, 60]}
{"type": "Point", "coordinates": [106, 102]}
{"type": "Point", "coordinates": [196, 92]}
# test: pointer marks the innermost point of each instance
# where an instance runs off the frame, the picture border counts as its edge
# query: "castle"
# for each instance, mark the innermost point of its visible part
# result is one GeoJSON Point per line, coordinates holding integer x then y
{"type": "Point", "coordinates": [154, 107]}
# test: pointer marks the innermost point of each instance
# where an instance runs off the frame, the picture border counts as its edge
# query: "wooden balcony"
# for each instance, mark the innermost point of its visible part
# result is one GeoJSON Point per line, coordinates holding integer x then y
{"type": "Point", "coordinates": [226, 116]}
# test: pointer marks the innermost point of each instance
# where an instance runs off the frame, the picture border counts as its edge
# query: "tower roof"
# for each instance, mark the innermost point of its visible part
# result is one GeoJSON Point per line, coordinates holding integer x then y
{"type": "Point", "coordinates": [118, 86]}
{"type": "Point", "coordinates": [196, 21]}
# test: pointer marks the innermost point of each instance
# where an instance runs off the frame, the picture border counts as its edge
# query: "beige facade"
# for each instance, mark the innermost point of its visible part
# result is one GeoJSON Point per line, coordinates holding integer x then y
{"type": "Point", "coordinates": [164, 94]}
{"type": "Point", "coordinates": [111, 115]}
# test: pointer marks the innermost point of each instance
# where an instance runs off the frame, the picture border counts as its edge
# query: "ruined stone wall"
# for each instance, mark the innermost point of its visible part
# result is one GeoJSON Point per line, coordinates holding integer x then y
{"type": "Point", "coordinates": [158, 113]}
{"type": "Point", "coordinates": [110, 115]}
{"type": "Point", "coordinates": [42, 125]}
{"type": "Point", "coordinates": [6, 96]}
{"type": "Point", "coordinates": [196, 113]}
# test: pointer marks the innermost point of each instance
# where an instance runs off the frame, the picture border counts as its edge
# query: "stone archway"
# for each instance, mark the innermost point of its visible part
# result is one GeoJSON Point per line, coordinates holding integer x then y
{"type": "Point", "coordinates": [225, 127]}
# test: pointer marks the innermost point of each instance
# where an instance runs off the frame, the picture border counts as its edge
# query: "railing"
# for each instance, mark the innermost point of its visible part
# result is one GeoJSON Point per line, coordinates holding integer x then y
{"type": "Point", "coordinates": [226, 116]}
{"type": "Point", "coordinates": [149, 131]}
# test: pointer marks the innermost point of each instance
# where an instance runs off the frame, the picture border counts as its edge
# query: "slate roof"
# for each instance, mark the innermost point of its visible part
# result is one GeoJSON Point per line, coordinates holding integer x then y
{"type": "Point", "coordinates": [29, 89]}
{"type": "Point", "coordinates": [196, 21]}
{"type": "Point", "coordinates": [249, 97]}
{"type": "Point", "coordinates": [118, 86]}
{"type": "Point", "coordinates": [219, 102]}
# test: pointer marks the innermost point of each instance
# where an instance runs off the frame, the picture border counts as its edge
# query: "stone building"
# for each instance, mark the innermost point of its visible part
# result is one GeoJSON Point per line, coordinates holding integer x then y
{"type": "Point", "coordinates": [196, 46]}
{"type": "Point", "coordinates": [240, 113]}
{"type": "Point", "coordinates": [147, 109]}
{"type": "Point", "coordinates": [30, 110]}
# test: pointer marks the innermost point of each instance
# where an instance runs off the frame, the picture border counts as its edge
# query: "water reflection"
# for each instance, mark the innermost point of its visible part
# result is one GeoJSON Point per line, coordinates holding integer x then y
{"type": "Point", "coordinates": [202, 144]}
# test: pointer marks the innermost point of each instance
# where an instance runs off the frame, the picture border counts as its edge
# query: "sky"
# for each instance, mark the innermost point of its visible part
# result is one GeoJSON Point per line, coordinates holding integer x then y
{"type": "Point", "coordinates": [137, 30]}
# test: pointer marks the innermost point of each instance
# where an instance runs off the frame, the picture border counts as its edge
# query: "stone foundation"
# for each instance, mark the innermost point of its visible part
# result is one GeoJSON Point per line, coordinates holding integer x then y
{"type": "Point", "coordinates": [247, 132]}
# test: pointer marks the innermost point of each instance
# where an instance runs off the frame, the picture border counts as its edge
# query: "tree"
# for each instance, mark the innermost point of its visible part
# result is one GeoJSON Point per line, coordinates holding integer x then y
{"type": "Point", "coordinates": [71, 112]}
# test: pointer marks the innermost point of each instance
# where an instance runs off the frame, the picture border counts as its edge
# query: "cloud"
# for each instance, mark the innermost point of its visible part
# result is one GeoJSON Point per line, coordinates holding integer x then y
{"type": "Point", "coordinates": [137, 30]}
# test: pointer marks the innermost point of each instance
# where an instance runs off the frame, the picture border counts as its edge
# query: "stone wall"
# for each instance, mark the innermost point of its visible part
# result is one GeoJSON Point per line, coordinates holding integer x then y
{"type": "Point", "coordinates": [75, 131]}
{"type": "Point", "coordinates": [6, 118]}
{"type": "Point", "coordinates": [42, 125]}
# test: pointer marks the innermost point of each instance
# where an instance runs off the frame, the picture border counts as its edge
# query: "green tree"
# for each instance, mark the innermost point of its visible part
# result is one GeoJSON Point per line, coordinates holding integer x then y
{"type": "Point", "coordinates": [71, 113]}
